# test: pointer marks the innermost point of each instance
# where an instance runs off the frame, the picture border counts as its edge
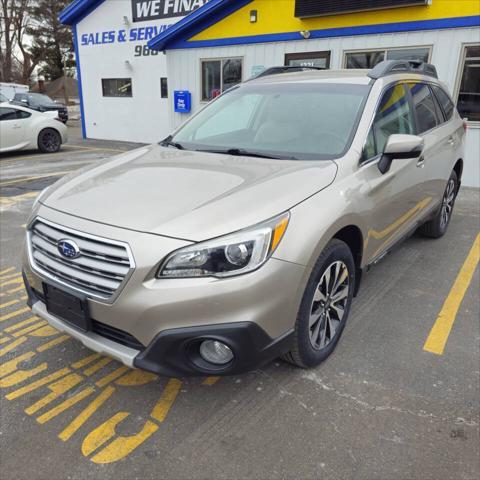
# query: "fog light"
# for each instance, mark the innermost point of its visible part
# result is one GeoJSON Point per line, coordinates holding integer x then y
{"type": "Point", "coordinates": [216, 352]}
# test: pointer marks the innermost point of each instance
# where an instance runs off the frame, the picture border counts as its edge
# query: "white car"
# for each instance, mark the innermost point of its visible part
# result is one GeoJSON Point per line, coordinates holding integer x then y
{"type": "Point", "coordinates": [22, 129]}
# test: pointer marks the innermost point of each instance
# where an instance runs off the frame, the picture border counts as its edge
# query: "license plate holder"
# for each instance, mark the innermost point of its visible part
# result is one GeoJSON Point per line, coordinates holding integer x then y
{"type": "Point", "coordinates": [71, 308]}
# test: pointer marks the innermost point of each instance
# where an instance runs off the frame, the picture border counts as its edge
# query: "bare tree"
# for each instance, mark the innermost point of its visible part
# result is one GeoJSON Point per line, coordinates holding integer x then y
{"type": "Point", "coordinates": [7, 39]}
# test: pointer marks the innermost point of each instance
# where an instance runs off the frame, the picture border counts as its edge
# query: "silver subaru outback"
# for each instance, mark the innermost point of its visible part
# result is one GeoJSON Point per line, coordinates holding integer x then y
{"type": "Point", "coordinates": [243, 236]}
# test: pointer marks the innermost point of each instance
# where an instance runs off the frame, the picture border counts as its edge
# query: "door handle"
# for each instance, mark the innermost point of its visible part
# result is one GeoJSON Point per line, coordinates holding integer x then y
{"type": "Point", "coordinates": [421, 162]}
{"type": "Point", "coordinates": [17, 126]}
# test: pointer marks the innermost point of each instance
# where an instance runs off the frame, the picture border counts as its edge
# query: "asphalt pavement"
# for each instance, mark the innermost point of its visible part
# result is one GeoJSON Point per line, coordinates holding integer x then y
{"type": "Point", "coordinates": [390, 403]}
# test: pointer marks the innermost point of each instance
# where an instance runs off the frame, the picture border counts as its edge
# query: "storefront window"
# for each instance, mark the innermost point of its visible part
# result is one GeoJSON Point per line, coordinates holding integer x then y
{"type": "Point", "coordinates": [368, 59]}
{"type": "Point", "coordinates": [469, 91]}
{"type": "Point", "coordinates": [220, 75]}
{"type": "Point", "coordinates": [308, 59]}
{"type": "Point", "coordinates": [117, 87]}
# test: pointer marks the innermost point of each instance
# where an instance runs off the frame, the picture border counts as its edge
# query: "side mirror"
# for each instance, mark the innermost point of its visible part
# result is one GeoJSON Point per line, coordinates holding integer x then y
{"type": "Point", "coordinates": [400, 146]}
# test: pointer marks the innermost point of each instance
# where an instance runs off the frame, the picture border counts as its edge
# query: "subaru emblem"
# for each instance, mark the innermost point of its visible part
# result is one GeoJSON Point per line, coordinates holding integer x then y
{"type": "Point", "coordinates": [68, 248]}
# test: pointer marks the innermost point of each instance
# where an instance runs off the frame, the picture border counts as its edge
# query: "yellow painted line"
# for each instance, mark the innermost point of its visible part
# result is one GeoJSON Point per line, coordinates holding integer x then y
{"type": "Point", "coordinates": [85, 361]}
{"type": "Point", "coordinates": [8, 304]}
{"type": "Point", "coordinates": [21, 324]}
{"type": "Point", "coordinates": [136, 378]}
{"type": "Point", "coordinates": [100, 149]}
{"type": "Point", "coordinates": [98, 366]}
{"type": "Point", "coordinates": [91, 408]}
{"type": "Point", "coordinates": [9, 201]}
{"type": "Point", "coordinates": [56, 390]}
{"type": "Point", "coordinates": [164, 404]}
{"type": "Point", "coordinates": [96, 438]}
{"type": "Point", "coordinates": [40, 156]}
{"type": "Point", "coordinates": [440, 331]}
{"type": "Point", "coordinates": [47, 331]}
{"type": "Point", "coordinates": [12, 346]}
{"type": "Point", "coordinates": [29, 329]}
{"type": "Point", "coordinates": [16, 313]}
{"type": "Point", "coordinates": [10, 292]}
{"type": "Point", "coordinates": [121, 447]}
{"type": "Point", "coordinates": [53, 343]}
{"type": "Point", "coordinates": [111, 377]}
{"type": "Point", "coordinates": [37, 177]}
{"type": "Point", "coordinates": [22, 375]}
{"type": "Point", "coordinates": [4, 340]}
{"type": "Point", "coordinates": [10, 282]}
{"type": "Point", "coordinates": [210, 381]}
{"type": "Point", "coordinates": [9, 367]}
{"type": "Point", "coordinates": [7, 270]}
{"type": "Point", "coordinates": [39, 383]}
{"type": "Point", "coordinates": [70, 402]}
{"type": "Point", "coordinates": [12, 275]}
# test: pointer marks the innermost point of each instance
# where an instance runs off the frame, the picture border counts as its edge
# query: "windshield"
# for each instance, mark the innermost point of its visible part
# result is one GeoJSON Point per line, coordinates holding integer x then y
{"type": "Point", "coordinates": [300, 121]}
{"type": "Point", "coordinates": [39, 99]}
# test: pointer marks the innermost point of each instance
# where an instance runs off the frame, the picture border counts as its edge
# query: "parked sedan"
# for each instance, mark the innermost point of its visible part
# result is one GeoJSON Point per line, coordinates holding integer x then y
{"type": "Point", "coordinates": [22, 128]}
{"type": "Point", "coordinates": [41, 103]}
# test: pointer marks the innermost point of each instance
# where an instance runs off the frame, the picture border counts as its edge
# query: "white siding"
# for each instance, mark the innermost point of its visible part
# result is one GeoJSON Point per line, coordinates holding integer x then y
{"type": "Point", "coordinates": [184, 67]}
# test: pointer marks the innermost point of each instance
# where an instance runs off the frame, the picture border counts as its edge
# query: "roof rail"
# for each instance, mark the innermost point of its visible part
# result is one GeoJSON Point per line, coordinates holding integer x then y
{"type": "Point", "coordinates": [285, 69]}
{"type": "Point", "coordinates": [390, 67]}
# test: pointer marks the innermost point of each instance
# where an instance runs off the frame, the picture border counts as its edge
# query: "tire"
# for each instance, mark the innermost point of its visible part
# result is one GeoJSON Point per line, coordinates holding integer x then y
{"type": "Point", "coordinates": [438, 225]}
{"type": "Point", "coordinates": [49, 141]}
{"type": "Point", "coordinates": [313, 339]}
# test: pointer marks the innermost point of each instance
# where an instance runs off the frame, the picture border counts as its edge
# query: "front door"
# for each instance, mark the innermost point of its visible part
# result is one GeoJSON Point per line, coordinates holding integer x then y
{"type": "Point", "coordinates": [11, 128]}
{"type": "Point", "coordinates": [395, 199]}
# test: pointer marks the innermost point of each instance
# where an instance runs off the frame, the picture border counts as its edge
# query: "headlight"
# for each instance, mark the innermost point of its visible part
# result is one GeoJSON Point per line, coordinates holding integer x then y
{"type": "Point", "coordinates": [39, 196]}
{"type": "Point", "coordinates": [233, 254]}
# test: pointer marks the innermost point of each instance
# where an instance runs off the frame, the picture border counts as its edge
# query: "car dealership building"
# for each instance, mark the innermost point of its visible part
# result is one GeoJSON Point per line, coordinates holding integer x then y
{"type": "Point", "coordinates": [131, 91]}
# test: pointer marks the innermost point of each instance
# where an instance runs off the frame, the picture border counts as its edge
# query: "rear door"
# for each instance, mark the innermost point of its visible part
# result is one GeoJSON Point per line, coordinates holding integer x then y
{"type": "Point", "coordinates": [437, 133]}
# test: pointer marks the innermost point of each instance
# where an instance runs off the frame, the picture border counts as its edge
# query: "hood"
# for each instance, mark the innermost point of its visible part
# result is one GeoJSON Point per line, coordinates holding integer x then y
{"type": "Point", "coordinates": [189, 195]}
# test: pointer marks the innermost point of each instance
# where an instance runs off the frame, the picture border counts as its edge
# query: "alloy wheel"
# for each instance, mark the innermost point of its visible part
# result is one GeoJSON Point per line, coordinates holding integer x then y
{"type": "Point", "coordinates": [329, 305]}
{"type": "Point", "coordinates": [50, 141]}
{"type": "Point", "coordinates": [447, 205]}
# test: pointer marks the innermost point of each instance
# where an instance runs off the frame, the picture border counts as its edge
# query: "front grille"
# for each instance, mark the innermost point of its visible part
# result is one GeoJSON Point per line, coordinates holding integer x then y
{"type": "Point", "coordinates": [98, 271]}
{"type": "Point", "coordinates": [116, 335]}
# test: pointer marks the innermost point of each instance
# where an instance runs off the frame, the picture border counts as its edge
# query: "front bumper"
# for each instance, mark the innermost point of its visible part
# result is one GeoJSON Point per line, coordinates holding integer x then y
{"type": "Point", "coordinates": [175, 352]}
{"type": "Point", "coordinates": [254, 313]}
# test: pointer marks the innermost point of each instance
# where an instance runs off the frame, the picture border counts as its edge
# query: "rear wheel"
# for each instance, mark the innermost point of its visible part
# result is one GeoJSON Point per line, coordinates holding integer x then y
{"type": "Point", "coordinates": [49, 141]}
{"type": "Point", "coordinates": [325, 306]}
{"type": "Point", "coordinates": [437, 226]}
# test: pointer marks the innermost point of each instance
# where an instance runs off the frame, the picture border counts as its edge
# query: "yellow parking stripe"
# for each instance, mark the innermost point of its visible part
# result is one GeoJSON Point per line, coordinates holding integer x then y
{"type": "Point", "coordinates": [12, 275]}
{"type": "Point", "coordinates": [161, 409]}
{"type": "Point", "coordinates": [13, 290]}
{"type": "Point", "coordinates": [12, 346]}
{"type": "Point", "coordinates": [210, 381]}
{"type": "Point", "coordinates": [4, 340]}
{"type": "Point", "coordinates": [29, 329]}
{"type": "Point", "coordinates": [7, 270]}
{"type": "Point", "coordinates": [85, 361]}
{"type": "Point", "coordinates": [21, 324]}
{"type": "Point", "coordinates": [99, 365]}
{"type": "Point", "coordinates": [10, 282]}
{"type": "Point", "coordinates": [53, 343]}
{"type": "Point", "coordinates": [8, 304]}
{"type": "Point", "coordinates": [39, 383]}
{"type": "Point", "coordinates": [70, 402]}
{"type": "Point", "coordinates": [91, 408]}
{"type": "Point", "coordinates": [112, 376]}
{"type": "Point", "coordinates": [14, 314]}
{"type": "Point", "coordinates": [37, 177]}
{"type": "Point", "coordinates": [440, 331]}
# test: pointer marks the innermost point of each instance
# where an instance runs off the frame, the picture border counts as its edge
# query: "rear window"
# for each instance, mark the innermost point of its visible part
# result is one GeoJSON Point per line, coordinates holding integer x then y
{"type": "Point", "coordinates": [425, 107]}
{"type": "Point", "coordinates": [447, 105]}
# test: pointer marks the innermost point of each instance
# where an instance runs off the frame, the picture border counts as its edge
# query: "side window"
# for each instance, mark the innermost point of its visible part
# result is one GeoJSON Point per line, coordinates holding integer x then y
{"type": "Point", "coordinates": [425, 108]}
{"type": "Point", "coordinates": [22, 115]}
{"type": "Point", "coordinates": [8, 114]}
{"type": "Point", "coordinates": [444, 100]}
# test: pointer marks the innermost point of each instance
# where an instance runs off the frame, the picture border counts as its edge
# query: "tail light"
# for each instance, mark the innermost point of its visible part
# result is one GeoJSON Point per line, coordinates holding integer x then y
{"type": "Point", "coordinates": [465, 124]}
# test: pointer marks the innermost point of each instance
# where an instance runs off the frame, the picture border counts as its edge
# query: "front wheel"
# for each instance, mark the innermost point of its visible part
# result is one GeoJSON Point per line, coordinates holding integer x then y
{"type": "Point", "coordinates": [49, 141]}
{"type": "Point", "coordinates": [325, 306]}
{"type": "Point", "coordinates": [438, 225]}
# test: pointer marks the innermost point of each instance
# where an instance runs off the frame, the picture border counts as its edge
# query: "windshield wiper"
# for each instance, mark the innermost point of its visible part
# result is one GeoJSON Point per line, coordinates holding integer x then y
{"type": "Point", "coordinates": [247, 153]}
{"type": "Point", "coordinates": [168, 143]}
